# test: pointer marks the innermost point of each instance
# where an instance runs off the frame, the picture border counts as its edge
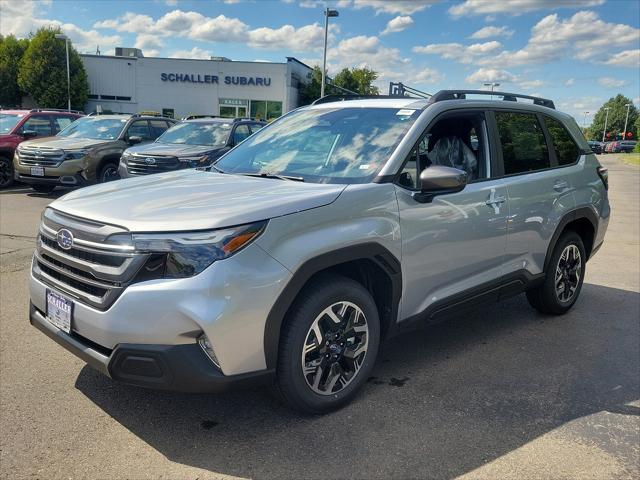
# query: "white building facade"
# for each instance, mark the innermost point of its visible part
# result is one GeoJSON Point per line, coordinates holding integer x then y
{"type": "Point", "coordinates": [181, 87]}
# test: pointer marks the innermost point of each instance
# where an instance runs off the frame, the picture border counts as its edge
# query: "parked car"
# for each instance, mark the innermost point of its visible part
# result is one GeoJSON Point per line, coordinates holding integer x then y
{"type": "Point", "coordinates": [193, 143]}
{"type": "Point", "coordinates": [596, 147]}
{"type": "Point", "coordinates": [85, 152]}
{"type": "Point", "coordinates": [626, 146]}
{"type": "Point", "coordinates": [610, 147]}
{"type": "Point", "coordinates": [333, 228]}
{"type": "Point", "coordinates": [17, 126]}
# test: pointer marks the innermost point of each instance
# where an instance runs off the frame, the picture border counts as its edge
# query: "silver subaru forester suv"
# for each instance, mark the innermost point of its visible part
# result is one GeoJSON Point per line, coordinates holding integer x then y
{"type": "Point", "coordinates": [335, 227]}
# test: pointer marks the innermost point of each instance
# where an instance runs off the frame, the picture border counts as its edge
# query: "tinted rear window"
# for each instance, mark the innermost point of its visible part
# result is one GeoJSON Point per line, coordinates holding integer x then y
{"type": "Point", "coordinates": [567, 152]}
{"type": "Point", "coordinates": [524, 148]}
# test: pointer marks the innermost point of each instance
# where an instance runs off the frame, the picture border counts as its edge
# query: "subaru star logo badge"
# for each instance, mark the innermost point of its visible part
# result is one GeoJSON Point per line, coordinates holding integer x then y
{"type": "Point", "coordinates": [64, 238]}
{"type": "Point", "coordinates": [150, 161]}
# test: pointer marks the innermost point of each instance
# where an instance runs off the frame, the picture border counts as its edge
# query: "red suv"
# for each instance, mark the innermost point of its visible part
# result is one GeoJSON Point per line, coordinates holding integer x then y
{"type": "Point", "coordinates": [19, 125]}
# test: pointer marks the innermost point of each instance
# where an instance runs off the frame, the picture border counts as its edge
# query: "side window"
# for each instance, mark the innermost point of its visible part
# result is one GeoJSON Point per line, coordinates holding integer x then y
{"type": "Point", "coordinates": [255, 127]}
{"type": "Point", "coordinates": [139, 128]}
{"type": "Point", "coordinates": [567, 152]}
{"type": "Point", "coordinates": [60, 122]}
{"type": "Point", "coordinates": [39, 124]}
{"type": "Point", "coordinates": [158, 127]}
{"type": "Point", "coordinates": [241, 132]}
{"type": "Point", "coordinates": [457, 141]}
{"type": "Point", "coordinates": [524, 148]}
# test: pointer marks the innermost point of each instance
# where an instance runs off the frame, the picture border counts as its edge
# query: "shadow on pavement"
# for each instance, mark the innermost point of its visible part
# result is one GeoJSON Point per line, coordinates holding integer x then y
{"type": "Point", "coordinates": [444, 400]}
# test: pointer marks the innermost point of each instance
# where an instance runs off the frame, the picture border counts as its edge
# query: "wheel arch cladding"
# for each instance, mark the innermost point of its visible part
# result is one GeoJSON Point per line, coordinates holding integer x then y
{"type": "Point", "coordinates": [370, 264]}
{"type": "Point", "coordinates": [584, 222]}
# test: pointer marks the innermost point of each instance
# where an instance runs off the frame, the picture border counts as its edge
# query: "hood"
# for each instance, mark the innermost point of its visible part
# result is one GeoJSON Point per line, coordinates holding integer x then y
{"type": "Point", "coordinates": [173, 149]}
{"type": "Point", "coordinates": [66, 143]}
{"type": "Point", "coordinates": [193, 200]}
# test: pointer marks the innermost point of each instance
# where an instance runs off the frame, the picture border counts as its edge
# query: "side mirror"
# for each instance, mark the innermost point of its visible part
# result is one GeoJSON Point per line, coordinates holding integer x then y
{"type": "Point", "coordinates": [29, 133]}
{"type": "Point", "coordinates": [439, 180]}
{"type": "Point", "coordinates": [134, 139]}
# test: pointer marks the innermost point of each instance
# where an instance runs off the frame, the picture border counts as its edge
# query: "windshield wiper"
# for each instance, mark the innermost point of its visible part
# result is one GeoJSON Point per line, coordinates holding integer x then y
{"type": "Point", "coordinates": [270, 175]}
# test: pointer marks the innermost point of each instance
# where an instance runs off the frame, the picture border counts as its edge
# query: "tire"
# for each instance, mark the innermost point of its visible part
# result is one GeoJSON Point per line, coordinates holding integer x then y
{"type": "Point", "coordinates": [6, 172]}
{"type": "Point", "coordinates": [46, 189]}
{"type": "Point", "coordinates": [108, 172]}
{"type": "Point", "coordinates": [557, 301]}
{"type": "Point", "coordinates": [340, 370]}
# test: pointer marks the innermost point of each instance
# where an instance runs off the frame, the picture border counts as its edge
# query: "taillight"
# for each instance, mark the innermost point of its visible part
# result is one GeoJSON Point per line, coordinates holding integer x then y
{"type": "Point", "coordinates": [603, 173]}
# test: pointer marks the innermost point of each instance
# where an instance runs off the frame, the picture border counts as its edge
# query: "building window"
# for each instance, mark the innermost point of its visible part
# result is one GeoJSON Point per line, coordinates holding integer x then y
{"type": "Point", "coordinates": [169, 112]}
{"type": "Point", "coordinates": [107, 97]}
{"type": "Point", "coordinates": [266, 110]}
{"type": "Point", "coordinates": [93, 96]}
{"type": "Point", "coordinates": [126, 99]}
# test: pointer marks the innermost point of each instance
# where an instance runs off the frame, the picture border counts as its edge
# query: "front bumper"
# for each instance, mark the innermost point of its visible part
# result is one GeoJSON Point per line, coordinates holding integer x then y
{"type": "Point", "coordinates": [68, 173]}
{"type": "Point", "coordinates": [62, 180]}
{"type": "Point", "coordinates": [183, 368]}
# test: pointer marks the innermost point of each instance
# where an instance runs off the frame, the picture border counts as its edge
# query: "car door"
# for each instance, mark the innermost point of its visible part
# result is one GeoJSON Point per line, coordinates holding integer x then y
{"type": "Point", "coordinates": [539, 192]}
{"type": "Point", "coordinates": [453, 246]}
{"type": "Point", "coordinates": [240, 133]}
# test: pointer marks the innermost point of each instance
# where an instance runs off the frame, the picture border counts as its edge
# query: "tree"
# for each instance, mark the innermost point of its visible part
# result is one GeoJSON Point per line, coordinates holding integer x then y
{"type": "Point", "coordinates": [11, 52]}
{"type": "Point", "coordinates": [359, 80]}
{"type": "Point", "coordinates": [617, 115]}
{"type": "Point", "coordinates": [43, 72]}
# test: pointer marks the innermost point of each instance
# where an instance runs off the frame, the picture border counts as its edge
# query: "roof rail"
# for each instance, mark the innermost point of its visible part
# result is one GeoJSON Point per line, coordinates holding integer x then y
{"type": "Point", "coordinates": [148, 114]}
{"type": "Point", "coordinates": [341, 98]}
{"type": "Point", "coordinates": [508, 97]}
{"type": "Point", "coordinates": [56, 110]}
{"type": "Point", "coordinates": [229, 119]}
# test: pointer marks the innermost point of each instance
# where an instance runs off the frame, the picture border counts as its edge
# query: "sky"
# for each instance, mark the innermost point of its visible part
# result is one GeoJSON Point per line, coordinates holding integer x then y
{"type": "Point", "coordinates": [579, 53]}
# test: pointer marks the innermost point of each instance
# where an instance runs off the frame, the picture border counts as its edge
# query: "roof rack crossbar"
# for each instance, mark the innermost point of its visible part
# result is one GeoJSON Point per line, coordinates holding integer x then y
{"type": "Point", "coordinates": [506, 96]}
{"type": "Point", "coordinates": [341, 98]}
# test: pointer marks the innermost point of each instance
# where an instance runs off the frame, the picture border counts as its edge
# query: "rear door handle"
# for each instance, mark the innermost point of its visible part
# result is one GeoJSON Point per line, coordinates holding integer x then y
{"type": "Point", "coordinates": [561, 186]}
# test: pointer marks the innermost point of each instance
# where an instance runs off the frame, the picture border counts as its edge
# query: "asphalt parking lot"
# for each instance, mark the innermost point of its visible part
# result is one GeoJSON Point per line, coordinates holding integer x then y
{"type": "Point", "coordinates": [502, 393]}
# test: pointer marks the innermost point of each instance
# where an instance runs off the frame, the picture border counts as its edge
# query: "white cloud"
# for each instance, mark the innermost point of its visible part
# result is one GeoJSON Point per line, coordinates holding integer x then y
{"type": "Point", "coordinates": [530, 84]}
{"type": "Point", "coordinates": [583, 36]}
{"type": "Point", "coordinates": [569, 82]}
{"type": "Point", "coordinates": [398, 24]}
{"type": "Point", "coordinates": [21, 18]}
{"type": "Point", "coordinates": [287, 37]}
{"type": "Point", "coordinates": [458, 52]}
{"type": "Point", "coordinates": [610, 82]}
{"type": "Point", "coordinates": [490, 75]}
{"type": "Point", "coordinates": [150, 44]}
{"type": "Point", "coordinates": [491, 31]}
{"type": "Point", "coordinates": [395, 7]}
{"type": "Point", "coordinates": [515, 7]}
{"type": "Point", "coordinates": [427, 76]}
{"type": "Point", "coordinates": [626, 58]}
{"type": "Point", "coordinates": [195, 52]}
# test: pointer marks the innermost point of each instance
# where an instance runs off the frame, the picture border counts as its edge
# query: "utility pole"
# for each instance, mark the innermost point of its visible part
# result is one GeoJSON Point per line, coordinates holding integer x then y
{"type": "Point", "coordinates": [624, 132]}
{"type": "Point", "coordinates": [60, 36]}
{"type": "Point", "coordinates": [584, 121]}
{"type": "Point", "coordinates": [606, 117]}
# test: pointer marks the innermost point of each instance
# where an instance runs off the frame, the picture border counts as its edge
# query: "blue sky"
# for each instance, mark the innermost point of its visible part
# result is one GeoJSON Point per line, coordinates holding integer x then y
{"type": "Point", "coordinates": [577, 52]}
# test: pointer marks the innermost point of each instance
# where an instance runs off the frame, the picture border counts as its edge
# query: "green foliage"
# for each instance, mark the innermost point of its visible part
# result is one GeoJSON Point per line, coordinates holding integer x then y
{"type": "Point", "coordinates": [636, 149]}
{"type": "Point", "coordinates": [359, 80]}
{"type": "Point", "coordinates": [11, 52]}
{"type": "Point", "coordinates": [617, 114]}
{"type": "Point", "coordinates": [43, 72]}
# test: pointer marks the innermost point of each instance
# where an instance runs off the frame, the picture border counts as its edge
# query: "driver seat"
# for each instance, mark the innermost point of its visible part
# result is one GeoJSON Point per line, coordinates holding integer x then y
{"type": "Point", "coordinates": [453, 152]}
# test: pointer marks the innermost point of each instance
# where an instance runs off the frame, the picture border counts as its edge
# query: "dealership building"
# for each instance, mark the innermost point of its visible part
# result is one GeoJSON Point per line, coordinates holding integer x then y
{"type": "Point", "coordinates": [129, 82]}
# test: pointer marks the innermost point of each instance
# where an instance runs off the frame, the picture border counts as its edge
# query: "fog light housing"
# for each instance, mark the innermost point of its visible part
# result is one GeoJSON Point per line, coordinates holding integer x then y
{"type": "Point", "coordinates": [207, 348]}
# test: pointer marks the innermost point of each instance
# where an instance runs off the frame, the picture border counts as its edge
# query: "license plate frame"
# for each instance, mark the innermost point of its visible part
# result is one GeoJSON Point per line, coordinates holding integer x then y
{"type": "Point", "coordinates": [37, 171]}
{"type": "Point", "coordinates": [59, 310]}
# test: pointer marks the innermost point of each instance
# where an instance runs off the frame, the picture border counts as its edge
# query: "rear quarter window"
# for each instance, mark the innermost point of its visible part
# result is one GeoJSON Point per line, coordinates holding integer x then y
{"type": "Point", "coordinates": [567, 152]}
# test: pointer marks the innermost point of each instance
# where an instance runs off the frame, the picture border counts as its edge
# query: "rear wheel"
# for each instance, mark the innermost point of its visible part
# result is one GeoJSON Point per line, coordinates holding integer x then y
{"type": "Point", "coordinates": [6, 172]}
{"type": "Point", "coordinates": [43, 188]}
{"type": "Point", "coordinates": [329, 345]}
{"type": "Point", "coordinates": [108, 172]}
{"type": "Point", "coordinates": [564, 278]}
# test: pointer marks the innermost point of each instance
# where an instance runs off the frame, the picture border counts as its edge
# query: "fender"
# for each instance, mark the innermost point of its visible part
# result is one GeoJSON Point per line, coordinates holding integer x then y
{"type": "Point", "coordinates": [578, 213]}
{"type": "Point", "coordinates": [370, 251]}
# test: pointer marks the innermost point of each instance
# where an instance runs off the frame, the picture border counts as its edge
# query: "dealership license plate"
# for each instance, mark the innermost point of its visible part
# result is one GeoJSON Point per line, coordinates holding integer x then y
{"type": "Point", "coordinates": [59, 311]}
{"type": "Point", "coordinates": [37, 171]}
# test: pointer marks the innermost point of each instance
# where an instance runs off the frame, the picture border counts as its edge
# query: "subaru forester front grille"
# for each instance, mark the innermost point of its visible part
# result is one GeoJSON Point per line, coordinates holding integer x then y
{"type": "Point", "coordinates": [145, 164]}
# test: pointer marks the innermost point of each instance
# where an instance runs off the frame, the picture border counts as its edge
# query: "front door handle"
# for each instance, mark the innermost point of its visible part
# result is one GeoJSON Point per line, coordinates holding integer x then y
{"type": "Point", "coordinates": [561, 186]}
{"type": "Point", "coordinates": [495, 201]}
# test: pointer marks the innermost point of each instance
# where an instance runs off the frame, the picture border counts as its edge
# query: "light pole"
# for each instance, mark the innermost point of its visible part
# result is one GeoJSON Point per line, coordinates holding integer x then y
{"type": "Point", "coordinates": [606, 117]}
{"type": "Point", "coordinates": [60, 36]}
{"type": "Point", "coordinates": [492, 85]}
{"type": "Point", "coordinates": [327, 13]}
{"type": "Point", "coordinates": [624, 132]}
{"type": "Point", "coordinates": [584, 121]}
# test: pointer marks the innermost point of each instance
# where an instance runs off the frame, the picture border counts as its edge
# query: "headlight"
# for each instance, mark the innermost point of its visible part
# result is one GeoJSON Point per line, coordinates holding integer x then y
{"type": "Point", "coordinates": [180, 255]}
{"type": "Point", "coordinates": [193, 162]}
{"type": "Point", "coordinates": [125, 158]}
{"type": "Point", "coordinates": [75, 154]}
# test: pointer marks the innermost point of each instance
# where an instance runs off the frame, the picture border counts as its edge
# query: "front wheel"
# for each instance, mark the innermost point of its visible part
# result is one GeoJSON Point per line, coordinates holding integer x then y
{"type": "Point", "coordinates": [329, 345]}
{"type": "Point", "coordinates": [108, 172]}
{"type": "Point", "coordinates": [564, 277]}
{"type": "Point", "coordinates": [6, 172]}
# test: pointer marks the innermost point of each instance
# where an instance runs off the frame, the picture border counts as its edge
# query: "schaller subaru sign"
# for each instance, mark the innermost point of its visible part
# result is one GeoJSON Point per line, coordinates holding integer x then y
{"type": "Point", "coordinates": [214, 79]}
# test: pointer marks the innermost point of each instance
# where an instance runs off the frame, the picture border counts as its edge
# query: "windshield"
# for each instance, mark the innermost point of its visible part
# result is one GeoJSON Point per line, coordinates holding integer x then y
{"type": "Point", "coordinates": [95, 127]}
{"type": "Point", "coordinates": [197, 133]}
{"type": "Point", "coordinates": [327, 145]}
{"type": "Point", "coordinates": [8, 121]}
